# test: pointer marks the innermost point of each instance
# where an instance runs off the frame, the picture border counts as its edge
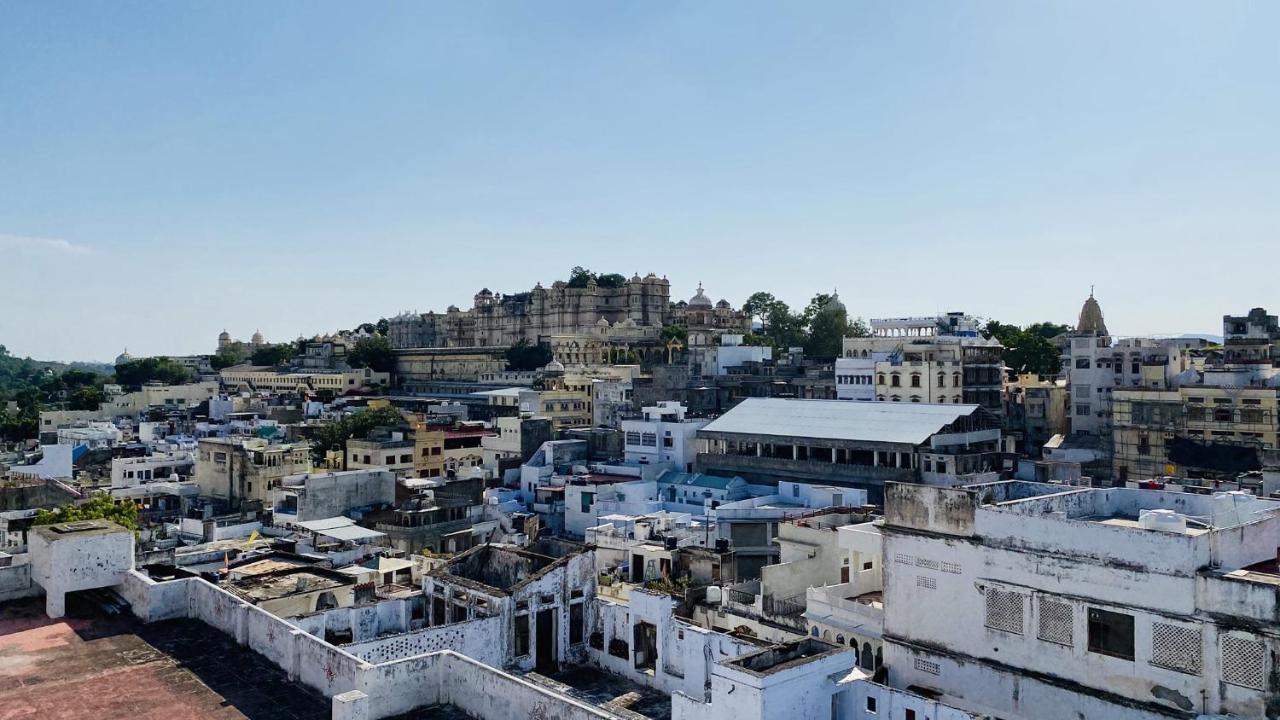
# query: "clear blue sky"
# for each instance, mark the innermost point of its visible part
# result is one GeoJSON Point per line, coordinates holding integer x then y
{"type": "Point", "coordinates": [170, 169]}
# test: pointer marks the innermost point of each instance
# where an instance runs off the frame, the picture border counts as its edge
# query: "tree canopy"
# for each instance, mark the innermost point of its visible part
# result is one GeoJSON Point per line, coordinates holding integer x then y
{"type": "Point", "coordinates": [98, 507]}
{"type": "Point", "coordinates": [273, 354]}
{"type": "Point", "coordinates": [153, 369]}
{"type": "Point", "coordinates": [580, 277]}
{"type": "Point", "coordinates": [334, 435]}
{"type": "Point", "coordinates": [374, 353]}
{"type": "Point", "coordinates": [1028, 350]}
{"type": "Point", "coordinates": [820, 328]}
{"type": "Point", "coordinates": [524, 356]}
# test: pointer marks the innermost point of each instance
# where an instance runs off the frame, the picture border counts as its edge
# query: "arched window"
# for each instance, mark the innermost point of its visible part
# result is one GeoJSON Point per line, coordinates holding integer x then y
{"type": "Point", "coordinates": [942, 379]}
{"type": "Point", "coordinates": [868, 659]}
{"type": "Point", "coordinates": [826, 635]}
{"type": "Point", "coordinates": [955, 379]}
{"type": "Point", "coordinates": [880, 379]}
{"type": "Point", "coordinates": [840, 639]}
{"type": "Point", "coordinates": [896, 398]}
{"type": "Point", "coordinates": [896, 380]}
{"type": "Point", "coordinates": [915, 379]}
{"type": "Point", "coordinates": [814, 632]}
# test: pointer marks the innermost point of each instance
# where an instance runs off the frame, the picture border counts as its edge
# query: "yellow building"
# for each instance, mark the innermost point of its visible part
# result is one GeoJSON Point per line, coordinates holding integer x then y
{"type": "Point", "coordinates": [1197, 431]}
{"type": "Point", "coordinates": [268, 379]}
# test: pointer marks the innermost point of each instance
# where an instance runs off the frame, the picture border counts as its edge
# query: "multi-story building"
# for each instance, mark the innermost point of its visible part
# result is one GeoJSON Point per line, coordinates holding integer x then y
{"type": "Point", "coordinates": [860, 445]}
{"type": "Point", "coordinates": [394, 450]}
{"type": "Point", "coordinates": [1213, 422]}
{"type": "Point", "coordinates": [240, 470]}
{"type": "Point", "coordinates": [515, 440]}
{"type": "Point", "coordinates": [1035, 410]}
{"type": "Point", "coordinates": [663, 435]}
{"type": "Point", "coordinates": [1019, 600]}
{"type": "Point", "coordinates": [504, 320]}
{"type": "Point", "coordinates": [941, 359]}
{"type": "Point", "coordinates": [256, 378]}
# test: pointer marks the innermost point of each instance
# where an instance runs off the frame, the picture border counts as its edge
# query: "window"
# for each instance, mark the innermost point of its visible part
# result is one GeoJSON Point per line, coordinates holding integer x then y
{"type": "Point", "coordinates": [1243, 662]}
{"type": "Point", "coordinates": [586, 501]}
{"type": "Point", "coordinates": [1082, 410]}
{"type": "Point", "coordinates": [871, 704]}
{"type": "Point", "coordinates": [633, 438]}
{"type": "Point", "coordinates": [895, 380]}
{"type": "Point", "coordinates": [1004, 610]}
{"type": "Point", "coordinates": [927, 667]}
{"type": "Point", "coordinates": [909, 714]}
{"type": "Point", "coordinates": [1111, 633]}
{"type": "Point", "coordinates": [1082, 363]}
{"type": "Point", "coordinates": [522, 635]}
{"type": "Point", "coordinates": [575, 624]}
{"type": "Point", "coordinates": [668, 442]}
{"type": "Point", "coordinates": [915, 380]}
{"type": "Point", "coordinates": [1175, 647]}
{"type": "Point", "coordinates": [942, 379]}
{"type": "Point", "coordinates": [1056, 622]}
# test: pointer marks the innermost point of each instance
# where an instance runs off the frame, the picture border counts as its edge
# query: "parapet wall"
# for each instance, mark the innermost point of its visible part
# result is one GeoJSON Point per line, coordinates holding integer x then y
{"type": "Point", "coordinates": [436, 676]}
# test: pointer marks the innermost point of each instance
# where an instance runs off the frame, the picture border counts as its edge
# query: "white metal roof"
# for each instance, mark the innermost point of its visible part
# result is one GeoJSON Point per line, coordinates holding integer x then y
{"type": "Point", "coordinates": [326, 523]}
{"type": "Point", "coordinates": [888, 422]}
{"type": "Point", "coordinates": [351, 533]}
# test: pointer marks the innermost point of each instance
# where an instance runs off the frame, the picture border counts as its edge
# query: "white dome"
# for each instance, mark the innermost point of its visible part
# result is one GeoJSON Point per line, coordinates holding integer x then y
{"type": "Point", "coordinates": [257, 338]}
{"type": "Point", "coordinates": [555, 366]}
{"type": "Point", "coordinates": [699, 299]}
{"type": "Point", "coordinates": [123, 357]}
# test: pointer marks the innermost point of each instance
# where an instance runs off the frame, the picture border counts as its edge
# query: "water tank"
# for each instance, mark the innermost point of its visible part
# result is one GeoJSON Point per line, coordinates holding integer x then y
{"type": "Point", "coordinates": [671, 542]}
{"type": "Point", "coordinates": [1231, 508]}
{"type": "Point", "coordinates": [722, 545]}
{"type": "Point", "coordinates": [1162, 520]}
{"type": "Point", "coordinates": [714, 595]}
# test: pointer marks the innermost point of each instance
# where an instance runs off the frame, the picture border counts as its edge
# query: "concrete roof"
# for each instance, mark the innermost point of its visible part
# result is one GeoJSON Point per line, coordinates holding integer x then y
{"type": "Point", "coordinates": [889, 422]}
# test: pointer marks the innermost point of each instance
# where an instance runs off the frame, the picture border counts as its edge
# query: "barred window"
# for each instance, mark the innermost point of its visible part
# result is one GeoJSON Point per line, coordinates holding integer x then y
{"type": "Point", "coordinates": [1057, 622]}
{"type": "Point", "coordinates": [1175, 647]}
{"type": "Point", "coordinates": [1243, 661]}
{"type": "Point", "coordinates": [1004, 610]}
{"type": "Point", "coordinates": [928, 667]}
{"type": "Point", "coordinates": [926, 582]}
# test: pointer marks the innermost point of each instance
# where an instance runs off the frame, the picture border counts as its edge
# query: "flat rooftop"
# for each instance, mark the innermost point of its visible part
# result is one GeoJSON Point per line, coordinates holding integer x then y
{"type": "Point", "coordinates": [287, 582]}
{"type": "Point", "coordinates": [109, 668]}
{"type": "Point", "coordinates": [903, 423]}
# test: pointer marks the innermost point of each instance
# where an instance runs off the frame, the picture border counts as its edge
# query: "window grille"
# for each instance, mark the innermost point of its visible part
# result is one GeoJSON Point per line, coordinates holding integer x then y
{"type": "Point", "coordinates": [1243, 661]}
{"type": "Point", "coordinates": [1175, 647]}
{"type": "Point", "coordinates": [1056, 622]}
{"type": "Point", "coordinates": [928, 667]}
{"type": "Point", "coordinates": [1004, 610]}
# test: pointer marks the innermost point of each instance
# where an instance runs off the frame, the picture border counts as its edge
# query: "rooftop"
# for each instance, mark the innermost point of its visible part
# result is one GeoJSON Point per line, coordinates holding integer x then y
{"type": "Point", "coordinates": [95, 668]}
{"type": "Point", "coordinates": [907, 423]}
{"type": "Point", "coordinates": [498, 568]}
{"type": "Point", "coordinates": [287, 582]}
{"type": "Point", "coordinates": [784, 656]}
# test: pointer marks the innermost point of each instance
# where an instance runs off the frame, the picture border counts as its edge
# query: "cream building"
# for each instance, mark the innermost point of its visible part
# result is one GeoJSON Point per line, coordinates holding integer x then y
{"type": "Point", "coordinates": [268, 379]}
{"type": "Point", "coordinates": [240, 470]}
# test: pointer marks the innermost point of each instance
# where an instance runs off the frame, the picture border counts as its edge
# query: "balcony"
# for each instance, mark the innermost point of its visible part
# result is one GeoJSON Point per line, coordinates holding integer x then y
{"type": "Point", "coordinates": [821, 470]}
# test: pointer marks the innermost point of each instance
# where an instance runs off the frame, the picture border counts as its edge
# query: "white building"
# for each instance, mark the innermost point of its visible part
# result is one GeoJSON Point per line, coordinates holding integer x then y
{"type": "Point", "coordinates": [665, 435]}
{"type": "Point", "coordinates": [1021, 600]}
{"type": "Point", "coordinates": [939, 359]}
{"type": "Point", "coordinates": [132, 471]}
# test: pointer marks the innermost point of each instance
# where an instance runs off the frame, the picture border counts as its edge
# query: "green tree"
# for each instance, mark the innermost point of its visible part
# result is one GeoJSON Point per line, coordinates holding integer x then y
{"type": "Point", "coordinates": [524, 356]}
{"type": "Point", "coordinates": [145, 370]}
{"type": "Point", "coordinates": [383, 327]}
{"type": "Point", "coordinates": [272, 355]}
{"type": "Point", "coordinates": [85, 398]}
{"type": "Point", "coordinates": [579, 277]}
{"type": "Point", "coordinates": [759, 305]}
{"type": "Point", "coordinates": [828, 324]}
{"type": "Point", "coordinates": [227, 357]}
{"type": "Point", "coordinates": [98, 507]}
{"type": "Point", "coordinates": [374, 353]}
{"type": "Point", "coordinates": [334, 435]}
{"type": "Point", "coordinates": [1028, 350]}
{"type": "Point", "coordinates": [675, 332]}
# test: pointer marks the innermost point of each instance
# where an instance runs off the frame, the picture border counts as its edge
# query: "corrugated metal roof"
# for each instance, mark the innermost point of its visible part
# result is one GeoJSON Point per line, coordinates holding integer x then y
{"type": "Point", "coordinates": [887, 422]}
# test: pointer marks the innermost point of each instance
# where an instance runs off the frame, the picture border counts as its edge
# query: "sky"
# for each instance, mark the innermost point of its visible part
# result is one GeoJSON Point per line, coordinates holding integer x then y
{"type": "Point", "coordinates": [168, 170]}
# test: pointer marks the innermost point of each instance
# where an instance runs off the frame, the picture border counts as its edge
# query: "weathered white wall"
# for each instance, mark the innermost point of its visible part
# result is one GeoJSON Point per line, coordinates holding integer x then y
{"type": "Point", "coordinates": [15, 580]}
{"type": "Point", "coordinates": [63, 563]}
{"type": "Point", "coordinates": [480, 638]}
